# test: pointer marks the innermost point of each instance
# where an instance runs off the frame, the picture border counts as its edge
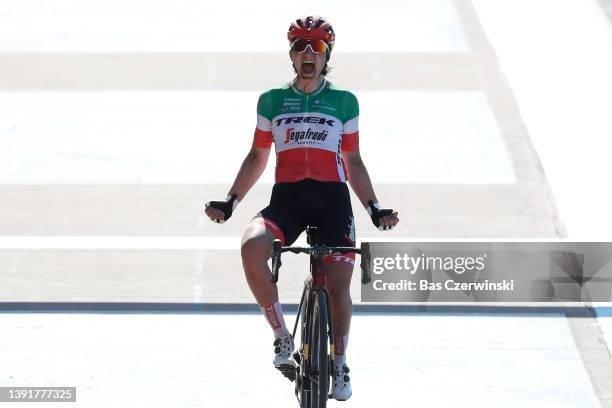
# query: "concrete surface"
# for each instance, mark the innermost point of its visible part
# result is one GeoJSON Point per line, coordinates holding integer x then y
{"type": "Point", "coordinates": [201, 360]}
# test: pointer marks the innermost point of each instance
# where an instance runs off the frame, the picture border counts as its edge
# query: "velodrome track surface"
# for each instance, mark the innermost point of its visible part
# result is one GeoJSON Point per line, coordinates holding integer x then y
{"type": "Point", "coordinates": [471, 359]}
{"type": "Point", "coordinates": [112, 139]}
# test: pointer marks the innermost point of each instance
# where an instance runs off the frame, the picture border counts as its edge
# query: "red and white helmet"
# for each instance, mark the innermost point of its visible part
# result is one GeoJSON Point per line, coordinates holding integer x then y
{"type": "Point", "coordinates": [312, 27]}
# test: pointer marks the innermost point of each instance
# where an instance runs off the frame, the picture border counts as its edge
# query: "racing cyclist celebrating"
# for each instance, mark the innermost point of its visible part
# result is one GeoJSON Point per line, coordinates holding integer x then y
{"type": "Point", "coordinates": [314, 127]}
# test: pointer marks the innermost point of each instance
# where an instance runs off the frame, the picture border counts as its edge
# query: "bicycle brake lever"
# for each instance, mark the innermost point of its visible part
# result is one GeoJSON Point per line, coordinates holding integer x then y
{"type": "Point", "coordinates": [276, 259]}
{"type": "Point", "coordinates": [366, 259]}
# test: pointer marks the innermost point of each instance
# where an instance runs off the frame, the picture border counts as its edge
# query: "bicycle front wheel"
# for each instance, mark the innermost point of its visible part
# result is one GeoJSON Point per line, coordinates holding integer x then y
{"type": "Point", "coordinates": [319, 353]}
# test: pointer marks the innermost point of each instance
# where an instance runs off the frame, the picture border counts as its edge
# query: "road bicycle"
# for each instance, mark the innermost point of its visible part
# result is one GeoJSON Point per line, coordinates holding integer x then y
{"type": "Point", "coordinates": [314, 359]}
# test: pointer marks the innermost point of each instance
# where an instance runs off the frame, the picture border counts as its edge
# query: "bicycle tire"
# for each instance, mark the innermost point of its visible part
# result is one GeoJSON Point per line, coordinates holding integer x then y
{"type": "Point", "coordinates": [319, 355]}
{"type": "Point", "coordinates": [303, 390]}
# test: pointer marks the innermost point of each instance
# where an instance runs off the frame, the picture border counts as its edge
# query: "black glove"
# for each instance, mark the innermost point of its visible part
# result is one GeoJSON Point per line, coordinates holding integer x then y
{"type": "Point", "coordinates": [226, 206]}
{"type": "Point", "coordinates": [376, 213]}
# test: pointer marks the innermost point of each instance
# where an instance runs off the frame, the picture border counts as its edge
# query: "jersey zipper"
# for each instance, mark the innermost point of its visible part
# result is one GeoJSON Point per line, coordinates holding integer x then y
{"type": "Point", "coordinates": [306, 148]}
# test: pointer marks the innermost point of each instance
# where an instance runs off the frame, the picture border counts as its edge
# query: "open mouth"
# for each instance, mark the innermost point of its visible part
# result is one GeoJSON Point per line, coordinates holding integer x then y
{"type": "Point", "coordinates": [308, 68]}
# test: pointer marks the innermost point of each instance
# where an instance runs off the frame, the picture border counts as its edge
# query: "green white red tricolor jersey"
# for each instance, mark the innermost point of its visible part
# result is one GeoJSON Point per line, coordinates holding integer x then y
{"type": "Point", "coordinates": [309, 131]}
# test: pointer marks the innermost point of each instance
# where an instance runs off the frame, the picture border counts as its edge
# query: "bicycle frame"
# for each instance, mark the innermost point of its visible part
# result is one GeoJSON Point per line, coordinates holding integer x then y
{"type": "Point", "coordinates": [317, 280]}
{"type": "Point", "coordinates": [316, 283]}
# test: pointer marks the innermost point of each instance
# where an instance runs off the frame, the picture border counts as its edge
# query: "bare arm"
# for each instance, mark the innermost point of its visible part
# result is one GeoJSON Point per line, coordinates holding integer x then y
{"type": "Point", "coordinates": [251, 169]}
{"type": "Point", "coordinates": [360, 182]}
{"type": "Point", "coordinates": [358, 177]}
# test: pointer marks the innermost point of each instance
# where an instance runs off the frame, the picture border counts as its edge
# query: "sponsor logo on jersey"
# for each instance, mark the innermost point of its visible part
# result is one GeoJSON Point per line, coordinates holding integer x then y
{"type": "Point", "coordinates": [305, 119]}
{"type": "Point", "coordinates": [304, 136]}
{"type": "Point", "coordinates": [322, 104]}
{"type": "Point", "coordinates": [290, 108]}
{"type": "Point", "coordinates": [291, 105]}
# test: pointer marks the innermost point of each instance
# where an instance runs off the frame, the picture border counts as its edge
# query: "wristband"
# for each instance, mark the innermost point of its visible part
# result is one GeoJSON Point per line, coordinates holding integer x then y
{"type": "Point", "coordinates": [375, 205]}
{"type": "Point", "coordinates": [232, 198]}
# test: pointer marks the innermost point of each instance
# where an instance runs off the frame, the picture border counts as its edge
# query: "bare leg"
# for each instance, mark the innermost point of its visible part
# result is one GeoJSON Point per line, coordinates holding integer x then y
{"type": "Point", "coordinates": [338, 284]}
{"type": "Point", "coordinates": [256, 249]}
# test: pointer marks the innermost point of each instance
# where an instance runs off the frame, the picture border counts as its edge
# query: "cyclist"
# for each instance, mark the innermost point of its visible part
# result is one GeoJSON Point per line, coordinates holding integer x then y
{"type": "Point", "coordinates": [314, 127]}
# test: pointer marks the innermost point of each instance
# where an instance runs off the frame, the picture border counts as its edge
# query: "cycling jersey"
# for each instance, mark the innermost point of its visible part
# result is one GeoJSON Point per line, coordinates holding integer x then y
{"type": "Point", "coordinates": [309, 131]}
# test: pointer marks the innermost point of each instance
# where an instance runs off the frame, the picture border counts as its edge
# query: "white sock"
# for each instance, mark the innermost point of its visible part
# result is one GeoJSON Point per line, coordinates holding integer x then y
{"type": "Point", "coordinates": [274, 316]}
{"type": "Point", "coordinates": [340, 344]}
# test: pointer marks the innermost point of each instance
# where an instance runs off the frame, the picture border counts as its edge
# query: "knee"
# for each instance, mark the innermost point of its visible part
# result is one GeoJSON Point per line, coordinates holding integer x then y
{"type": "Point", "coordinates": [339, 292]}
{"type": "Point", "coordinates": [339, 281]}
{"type": "Point", "coordinates": [255, 249]}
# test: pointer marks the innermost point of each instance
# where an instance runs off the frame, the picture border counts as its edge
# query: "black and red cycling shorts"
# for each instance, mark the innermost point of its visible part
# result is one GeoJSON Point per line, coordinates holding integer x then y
{"type": "Point", "coordinates": [322, 204]}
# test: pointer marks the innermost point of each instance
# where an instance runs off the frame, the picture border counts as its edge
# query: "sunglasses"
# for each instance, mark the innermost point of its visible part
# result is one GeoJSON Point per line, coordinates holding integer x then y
{"type": "Point", "coordinates": [317, 46]}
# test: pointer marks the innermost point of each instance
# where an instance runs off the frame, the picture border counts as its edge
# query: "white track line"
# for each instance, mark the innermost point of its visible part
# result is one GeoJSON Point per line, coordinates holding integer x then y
{"type": "Point", "coordinates": [201, 243]}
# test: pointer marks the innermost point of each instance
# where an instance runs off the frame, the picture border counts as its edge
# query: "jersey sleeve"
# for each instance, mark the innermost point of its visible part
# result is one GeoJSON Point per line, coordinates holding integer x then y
{"type": "Point", "coordinates": [263, 130]}
{"type": "Point", "coordinates": [350, 138]}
